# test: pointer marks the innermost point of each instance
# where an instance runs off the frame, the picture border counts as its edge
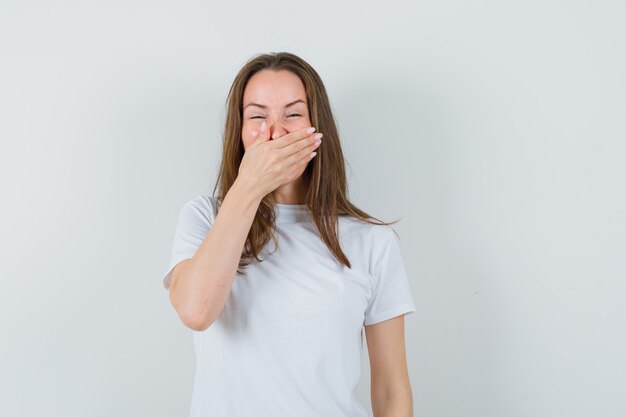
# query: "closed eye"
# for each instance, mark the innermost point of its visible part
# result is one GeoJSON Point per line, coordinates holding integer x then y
{"type": "Point", "coordinates": [260, 117]}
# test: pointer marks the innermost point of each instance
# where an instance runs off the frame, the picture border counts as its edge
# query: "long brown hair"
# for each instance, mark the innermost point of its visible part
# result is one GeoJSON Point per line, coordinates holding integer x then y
{"type": "Point", "coordinates": [324, 176]}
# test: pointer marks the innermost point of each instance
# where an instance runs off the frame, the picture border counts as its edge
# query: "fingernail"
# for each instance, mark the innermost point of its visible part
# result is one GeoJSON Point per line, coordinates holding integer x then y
{"type": "Point", "coordinates": [310, 130]}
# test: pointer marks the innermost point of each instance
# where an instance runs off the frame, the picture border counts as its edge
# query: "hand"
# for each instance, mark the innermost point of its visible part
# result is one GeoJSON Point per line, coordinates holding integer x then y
{"type": "Point", "coordinates": [268, 164]}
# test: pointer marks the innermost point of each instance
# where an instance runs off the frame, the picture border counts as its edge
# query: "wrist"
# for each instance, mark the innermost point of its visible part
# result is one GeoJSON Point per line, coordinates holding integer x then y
{"type": "Point", "coordinates": [246, 191]}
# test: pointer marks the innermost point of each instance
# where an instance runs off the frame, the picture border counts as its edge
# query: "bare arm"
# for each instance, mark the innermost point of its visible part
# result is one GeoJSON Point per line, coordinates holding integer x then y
{"type": "Point", "coordinates": [391, 393]}
{"type": "Point", "coordinates": [200, 285]}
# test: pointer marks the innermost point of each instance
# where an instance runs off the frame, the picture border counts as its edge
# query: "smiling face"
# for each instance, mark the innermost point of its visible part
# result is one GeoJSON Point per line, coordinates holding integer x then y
{"type": "Point", "coordinates": [279, 99]}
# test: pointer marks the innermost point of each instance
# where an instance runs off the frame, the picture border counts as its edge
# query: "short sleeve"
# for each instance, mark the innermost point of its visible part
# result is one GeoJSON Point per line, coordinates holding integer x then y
{"type": "Point", "coordinates": [391, 292]}
{"type": "Point", "coordinates": [194, 221]}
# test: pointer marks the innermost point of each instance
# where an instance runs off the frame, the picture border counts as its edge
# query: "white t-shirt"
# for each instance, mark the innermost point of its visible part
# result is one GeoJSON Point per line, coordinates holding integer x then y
{"type": "Point", "coordinates": [289, 340]}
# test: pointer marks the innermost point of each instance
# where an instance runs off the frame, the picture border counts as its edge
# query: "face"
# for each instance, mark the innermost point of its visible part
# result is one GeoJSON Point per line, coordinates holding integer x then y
{"type": "Point", "coordinates": [269, 96]}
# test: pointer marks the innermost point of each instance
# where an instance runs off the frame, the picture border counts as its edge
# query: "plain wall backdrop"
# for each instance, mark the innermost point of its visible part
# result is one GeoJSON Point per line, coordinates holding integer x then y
{"type": "Point", "coordinates": [495, 130]}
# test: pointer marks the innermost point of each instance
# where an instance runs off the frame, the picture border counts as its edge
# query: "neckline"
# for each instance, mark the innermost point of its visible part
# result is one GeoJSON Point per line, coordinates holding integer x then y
{"type": "Point", "coordinates": [291, 206]}
{"type": "Point", "coordinates": [291, 213]}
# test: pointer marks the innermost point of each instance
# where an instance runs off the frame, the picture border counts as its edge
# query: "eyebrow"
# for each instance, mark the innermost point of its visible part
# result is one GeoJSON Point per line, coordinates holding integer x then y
{"type": "Point", "coordinates": [264, 107]}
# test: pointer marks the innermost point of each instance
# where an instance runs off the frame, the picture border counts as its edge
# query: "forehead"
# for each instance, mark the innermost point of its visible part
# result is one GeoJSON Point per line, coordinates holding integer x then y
{"type": "Point", "coordinates": [274, 88]}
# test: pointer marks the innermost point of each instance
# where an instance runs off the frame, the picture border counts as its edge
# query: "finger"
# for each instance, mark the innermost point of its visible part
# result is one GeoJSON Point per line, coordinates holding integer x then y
{"type": "Point", "coordinates": [293, 137]}
{"type": "Point", "coordinates": [307, 142]}
{"type": "Point", "coordinates": [300, 165]}
{"type": "Point", "coordinates": [304, 155]}
{"type": "Point", "coordinates": [298, 168]}
{"type": "Point", "coordinates": [263, 135]}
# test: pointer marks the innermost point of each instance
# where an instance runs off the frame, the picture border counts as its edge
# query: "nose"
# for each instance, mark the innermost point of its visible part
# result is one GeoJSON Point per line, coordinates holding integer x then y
{"type": "Point", "coordinates": [277, 129]}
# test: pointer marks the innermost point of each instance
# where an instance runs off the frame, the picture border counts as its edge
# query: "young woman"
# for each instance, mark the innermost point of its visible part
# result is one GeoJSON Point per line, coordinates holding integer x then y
{"type": "Point", "coordinates": [279, 273]}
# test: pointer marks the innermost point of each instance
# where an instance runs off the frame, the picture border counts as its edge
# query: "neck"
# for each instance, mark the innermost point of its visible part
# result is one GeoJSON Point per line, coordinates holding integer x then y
{"type": "Point", "coordinates": [290, 193]}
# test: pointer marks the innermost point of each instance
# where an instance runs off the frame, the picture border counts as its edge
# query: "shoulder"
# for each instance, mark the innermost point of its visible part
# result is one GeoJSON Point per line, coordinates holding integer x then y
{"type": "Point", "coordinates": [372, 241]}
{"type": "Point", "coordinates": [374, 246]}
{"type": "Point", "coordinates": [202, 200]}
{"type": "Point", "coordinates": [202, 206]}
{"type": "Point", "coordinates": [365, 231]}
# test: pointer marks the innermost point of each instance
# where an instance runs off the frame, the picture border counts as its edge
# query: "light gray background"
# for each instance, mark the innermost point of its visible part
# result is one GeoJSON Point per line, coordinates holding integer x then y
{"type": "Point", "coordinates": [495, 130]}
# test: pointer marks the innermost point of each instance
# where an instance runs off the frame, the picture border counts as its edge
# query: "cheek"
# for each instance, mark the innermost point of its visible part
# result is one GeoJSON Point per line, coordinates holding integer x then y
{"type": "Point", "coordinates": [297, 121]}
{"type": "Point", "coordinates": [248, 133]}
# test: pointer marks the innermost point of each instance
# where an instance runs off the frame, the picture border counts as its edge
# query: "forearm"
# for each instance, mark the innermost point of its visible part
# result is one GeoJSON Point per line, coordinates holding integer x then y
{"type": "Point", "coordinates": [398, 403]}
{"type": "Point", "coordinates": [199, 291]}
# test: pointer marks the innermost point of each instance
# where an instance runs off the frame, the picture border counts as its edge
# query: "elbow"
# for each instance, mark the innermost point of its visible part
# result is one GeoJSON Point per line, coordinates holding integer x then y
{"type": "Point", "coordinates": [195, 319]}
{"type": "Point", "coordinates": [191, 317]}
{"type": "Point", "coordinates": [196, 322]}
{"type": "Point", "coordinates": [196, 313]}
